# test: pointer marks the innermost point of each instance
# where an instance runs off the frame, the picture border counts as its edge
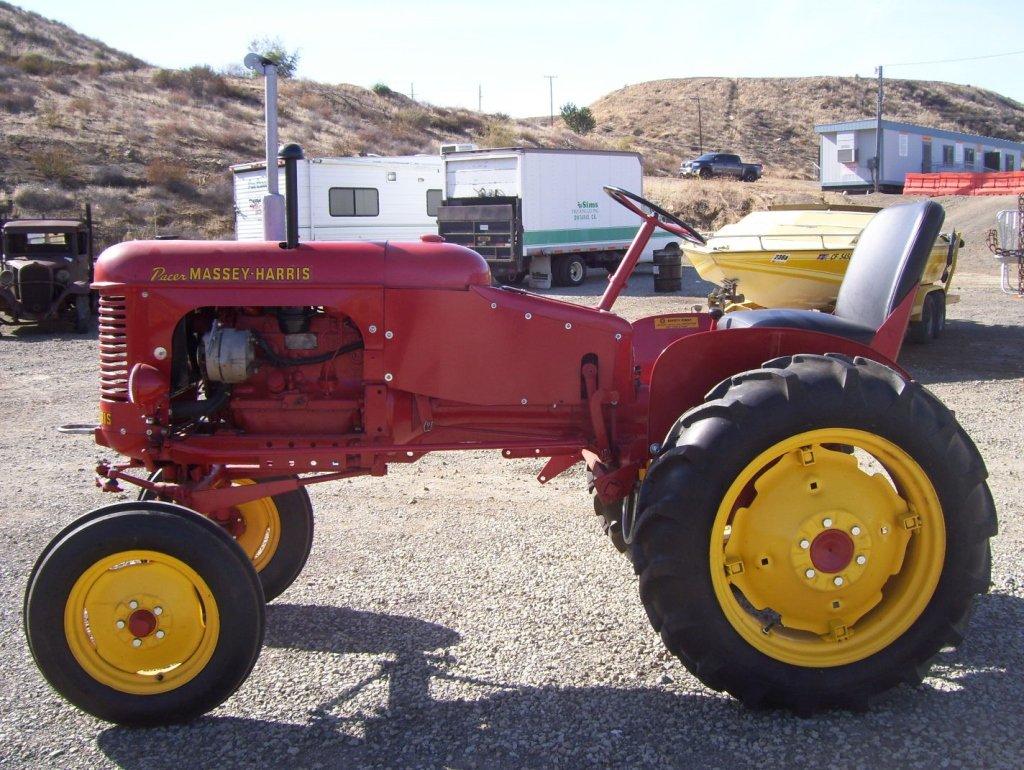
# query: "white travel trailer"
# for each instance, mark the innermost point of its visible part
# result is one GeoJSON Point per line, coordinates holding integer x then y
{"type": "Point", "coordinates": [349, 199]}
{"type": "Point", "coordinates": [516, 204]}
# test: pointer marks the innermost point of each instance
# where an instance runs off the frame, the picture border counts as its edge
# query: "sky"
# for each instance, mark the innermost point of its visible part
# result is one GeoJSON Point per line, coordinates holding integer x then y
{"type": "Point", "coordinates": [447, 52]}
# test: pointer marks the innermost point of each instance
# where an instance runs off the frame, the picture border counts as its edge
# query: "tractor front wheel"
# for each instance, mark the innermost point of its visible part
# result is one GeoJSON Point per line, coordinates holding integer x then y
{"type": "Point", "coordinates": [813, 534]}
{"type": "Point", "coordinates": [275, 532]}
{"type": "Point", "coordinates": [144, 615]}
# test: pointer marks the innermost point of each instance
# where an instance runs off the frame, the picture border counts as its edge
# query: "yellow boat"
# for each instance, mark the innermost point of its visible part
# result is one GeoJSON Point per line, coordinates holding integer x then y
{"type": "Point", "coordinates": [796, 256]}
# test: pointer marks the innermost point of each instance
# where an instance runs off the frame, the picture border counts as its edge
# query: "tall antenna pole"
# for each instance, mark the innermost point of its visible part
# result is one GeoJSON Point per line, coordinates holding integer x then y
{"type": "Point", "coordinates": [878, 134]}
{"type": "Point", "coordinates": [700, 127]}
{"type": "Point", "coordinates": [551, 95]}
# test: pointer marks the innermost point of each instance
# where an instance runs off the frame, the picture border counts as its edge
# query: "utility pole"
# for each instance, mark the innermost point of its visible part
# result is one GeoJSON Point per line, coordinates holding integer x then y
{"type": "Point", "coordinates": [551, 95]}
{"type": "Point", "coordinates": [480, 97]}
{"type": "Point", "coordinates": [700, 127]}
{"type": "Point", "coordinates": [878, 133]}
{"type": "Point", "coordinates": [412, 91]}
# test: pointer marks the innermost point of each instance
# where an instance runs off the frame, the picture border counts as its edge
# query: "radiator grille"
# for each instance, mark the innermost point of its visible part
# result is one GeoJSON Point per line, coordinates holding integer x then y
{"type": "Point", "coordinates": [113, 349]}
{"type": "Point", "coordinates": [35, 287]}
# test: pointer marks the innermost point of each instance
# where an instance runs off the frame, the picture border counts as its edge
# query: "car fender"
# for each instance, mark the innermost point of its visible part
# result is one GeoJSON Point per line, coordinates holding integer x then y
{"type": "Point", "coordinates": [691, 366]}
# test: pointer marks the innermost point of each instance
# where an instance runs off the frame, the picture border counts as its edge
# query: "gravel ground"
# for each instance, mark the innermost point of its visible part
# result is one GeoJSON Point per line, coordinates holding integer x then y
{"type": "Point", "coordinates": [457, 613]}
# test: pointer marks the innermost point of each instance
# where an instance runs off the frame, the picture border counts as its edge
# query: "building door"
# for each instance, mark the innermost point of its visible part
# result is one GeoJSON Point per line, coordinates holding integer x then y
{"type": "Point", "coordinates": [926, 157]}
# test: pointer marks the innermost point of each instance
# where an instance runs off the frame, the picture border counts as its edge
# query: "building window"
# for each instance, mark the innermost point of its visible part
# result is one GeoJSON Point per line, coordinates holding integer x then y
{"type": "Point", "coordinates": [353, 201]}
{"type": "Point", "coordinates": [1009, 162]}
{"type": "Point", "coordinates": [968, 157]}
{"type": "Point", "coordinates": [433, 202]}
{"type": "Point", "coordinates": [991, 161]}
{"type": "Point", "coordinates": [948, 155]}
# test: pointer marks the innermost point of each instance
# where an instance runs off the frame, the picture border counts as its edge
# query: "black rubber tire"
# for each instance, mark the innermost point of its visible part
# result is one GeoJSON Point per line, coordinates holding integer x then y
{"type": "Point", "coordinates": [667, 285]}
{"type": "Point", "coordinates": [296, 513]}
{"type": "Point", "coordinates": [920, 332]}
{"type": "Point", "coordinates": [180, 533]}
{"type": "Point", "coordinates": [83, 314]}
{"type": "Point", "coordinates": [938, 314]}
{"type": "Point", "coordinates": [705, 173]}
{"type": "Point", "coordinates": [712, 443]}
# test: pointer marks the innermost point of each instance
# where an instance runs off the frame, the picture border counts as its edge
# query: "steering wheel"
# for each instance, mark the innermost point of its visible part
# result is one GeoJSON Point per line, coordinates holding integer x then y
{"type": "Point", "coordinates": [660, 217]}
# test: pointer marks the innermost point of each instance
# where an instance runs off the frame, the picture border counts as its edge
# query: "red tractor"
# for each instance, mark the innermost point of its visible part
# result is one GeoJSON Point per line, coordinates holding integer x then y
{"type": "Point", "coordinates": [809, 525]}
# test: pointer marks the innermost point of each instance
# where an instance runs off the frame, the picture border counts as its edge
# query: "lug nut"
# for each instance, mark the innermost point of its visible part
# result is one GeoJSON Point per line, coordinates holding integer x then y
{"type": "Point", "coordinates": [119, 624]}
{"type": "Point", "coordinates": [133, 604]}
{"type": "Point", "coordinates": [855, 530]}
{"type": "Point", "coordinates": [826, 523]}
{"type": "Point", "coordinates": [837, 580]}
{"type": "Point", "coordinates": [136, 642]}
{"type": "Point", "coordinates": [809, 573]}
{"type": "Point", "coordinates": [862, 559]}
{"type": "Point", "coordinates": [160, 634]}
{"type": "Point", "coordinates": [805, 544]}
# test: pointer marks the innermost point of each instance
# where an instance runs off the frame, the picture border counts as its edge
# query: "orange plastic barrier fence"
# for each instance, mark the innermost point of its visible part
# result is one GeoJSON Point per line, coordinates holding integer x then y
{"type": "Point", "coordinates": [965, 183]}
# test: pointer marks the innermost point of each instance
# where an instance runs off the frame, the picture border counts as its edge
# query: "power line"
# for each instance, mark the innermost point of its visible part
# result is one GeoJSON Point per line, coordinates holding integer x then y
{"type": "Point", "coordinates": [965, 58]}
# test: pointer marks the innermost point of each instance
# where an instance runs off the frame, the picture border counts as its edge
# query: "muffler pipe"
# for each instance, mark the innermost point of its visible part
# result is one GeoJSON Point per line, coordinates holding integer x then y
{"type": "Point", "coordinates": [291, 154]}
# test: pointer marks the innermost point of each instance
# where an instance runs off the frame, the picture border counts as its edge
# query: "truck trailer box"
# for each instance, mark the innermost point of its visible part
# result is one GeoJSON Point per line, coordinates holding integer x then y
{"type": "Point", "coordinates": [348, 199]}
{"type": "Point", "coordinates": [512, 205]}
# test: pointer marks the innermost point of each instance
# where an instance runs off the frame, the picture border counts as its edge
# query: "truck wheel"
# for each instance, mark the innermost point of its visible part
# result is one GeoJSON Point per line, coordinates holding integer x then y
{"type": "Point", "coordinates": [921, 331]}
{"type": "Point", "coordinates": [705, 173]}
{"type": "Point", "coordinates": [275, 532]}
{"type": "Point", "coordinates": [749, 176]}
{"type": "Point", "coordinates": [144, 617]}
{"type": "Point", "coordinates": [82, 314]}
{"type": "Point", "coordinates": [575, 270]}
{"type": "Point", "coordinates": [791, 573]}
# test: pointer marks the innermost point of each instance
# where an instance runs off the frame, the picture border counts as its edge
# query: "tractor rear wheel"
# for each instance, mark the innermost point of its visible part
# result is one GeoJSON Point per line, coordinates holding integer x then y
{"type": "Point", "coordinates": [783, 568]}
{"type": "Point", "coordinates": [275, 532]}
{"type": "Point", "coordinates": [144, 616]}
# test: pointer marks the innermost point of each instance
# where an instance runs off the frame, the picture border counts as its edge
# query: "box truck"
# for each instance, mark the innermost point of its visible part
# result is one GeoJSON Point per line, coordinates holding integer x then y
{"type": "Point", "coordinates": [516, 204]}
{"type": "Point", "coordinates": [349, 199]}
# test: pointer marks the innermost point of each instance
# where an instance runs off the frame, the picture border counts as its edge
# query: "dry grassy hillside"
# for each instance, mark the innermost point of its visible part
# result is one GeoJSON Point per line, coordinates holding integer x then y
{"type": "Point", "coordinates": [150, 147]}
{"type": "Point", "coordinates": [772, 120]}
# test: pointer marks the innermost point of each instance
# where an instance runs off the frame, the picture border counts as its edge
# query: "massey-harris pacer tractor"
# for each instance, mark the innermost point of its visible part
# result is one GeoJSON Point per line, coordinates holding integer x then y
{"type": "Point", "coordinates": [809, 525]}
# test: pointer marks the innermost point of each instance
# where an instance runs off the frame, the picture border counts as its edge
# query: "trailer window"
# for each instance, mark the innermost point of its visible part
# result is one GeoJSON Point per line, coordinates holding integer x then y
{"type": "Point", "coordinates": [433, 202]}
{"type": "Point", "coordinates": [353, 201]}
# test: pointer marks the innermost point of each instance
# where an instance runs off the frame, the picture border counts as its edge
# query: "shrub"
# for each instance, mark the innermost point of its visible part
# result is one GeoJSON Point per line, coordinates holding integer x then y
{"type": "Point", "coordinates": [171, 176]}
{"type": "Point", "coordinates": [382, 90]}
{"type": "Point", "coordinates": [579, 119]}
{"type": "Point", "coordinates": [81, 105]}
{"type": "Point", "coordinates": [14, 103]}
{"type": "Point", "coordinates": [413, 117]}
{"type": "Point", "coordinates": [200, 81]}
{"type": "Point", "coordinates": [455, 122]}
{"type": "Point", "coordinates": [37, 64]}
{"type": "Point", "coordinates": [59, 85]}
{"type": "Point", "coordinates": [498, 135]}
{"type": "Point", "coordinates": [39, 199]}
{"type": "Point", "coordinates": [274, 49]}
{"type": "Point", "coordinates": [113, 176]}
{"type": "Point", "coordinates": [56, 163]}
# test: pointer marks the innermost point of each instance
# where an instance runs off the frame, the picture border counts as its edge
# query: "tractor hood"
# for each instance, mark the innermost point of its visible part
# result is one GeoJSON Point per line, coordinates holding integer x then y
{"type": "Point", "coordinates": [428, 263]}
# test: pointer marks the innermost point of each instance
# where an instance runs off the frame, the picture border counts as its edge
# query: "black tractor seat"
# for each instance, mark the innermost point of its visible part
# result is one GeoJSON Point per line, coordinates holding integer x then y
{"type": "Point", "coordinates": [887, 263]}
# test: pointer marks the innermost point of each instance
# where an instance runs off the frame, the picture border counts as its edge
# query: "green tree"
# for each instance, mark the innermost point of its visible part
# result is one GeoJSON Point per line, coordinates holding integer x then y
{"type": "Point", "coordinates": [274, 49]}
{"type": "Point", "coordinates": [579, 119]}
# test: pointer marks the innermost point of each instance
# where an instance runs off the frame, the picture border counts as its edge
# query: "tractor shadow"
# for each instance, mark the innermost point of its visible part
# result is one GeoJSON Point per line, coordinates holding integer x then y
{"type": "Point", "coordinates": [393, 718]}
{"type": "Point", "coordinates": [967, 351]}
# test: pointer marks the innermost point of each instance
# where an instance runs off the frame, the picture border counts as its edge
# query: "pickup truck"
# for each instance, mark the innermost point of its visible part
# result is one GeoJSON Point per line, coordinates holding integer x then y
{"type": "Point", "coordinates": [712, 164]}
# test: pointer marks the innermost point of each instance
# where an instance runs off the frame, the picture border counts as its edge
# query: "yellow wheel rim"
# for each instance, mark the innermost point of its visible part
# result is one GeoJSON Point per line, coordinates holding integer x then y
{"type": "Point", "coordinates": [261, 532]}
{"type": "Point", "coordinates": [141, 622]}
{"type": "Point", "coordinates": [820, 557]}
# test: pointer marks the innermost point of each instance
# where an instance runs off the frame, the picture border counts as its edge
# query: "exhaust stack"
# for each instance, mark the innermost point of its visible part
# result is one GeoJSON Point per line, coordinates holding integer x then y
{"type": "Point", "coordinates": [291, 154]}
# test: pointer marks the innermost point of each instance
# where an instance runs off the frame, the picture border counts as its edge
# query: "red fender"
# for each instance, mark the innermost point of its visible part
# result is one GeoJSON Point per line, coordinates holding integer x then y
{"type": "Point", "coordinates": [693, 365]}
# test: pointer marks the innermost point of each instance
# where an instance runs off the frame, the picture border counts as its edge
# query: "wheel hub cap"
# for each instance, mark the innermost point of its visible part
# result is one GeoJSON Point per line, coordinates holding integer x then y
{"type": "Point", "coordinates": [142, 623]}
{"type": "Point", "coordinates": [832, 551]}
